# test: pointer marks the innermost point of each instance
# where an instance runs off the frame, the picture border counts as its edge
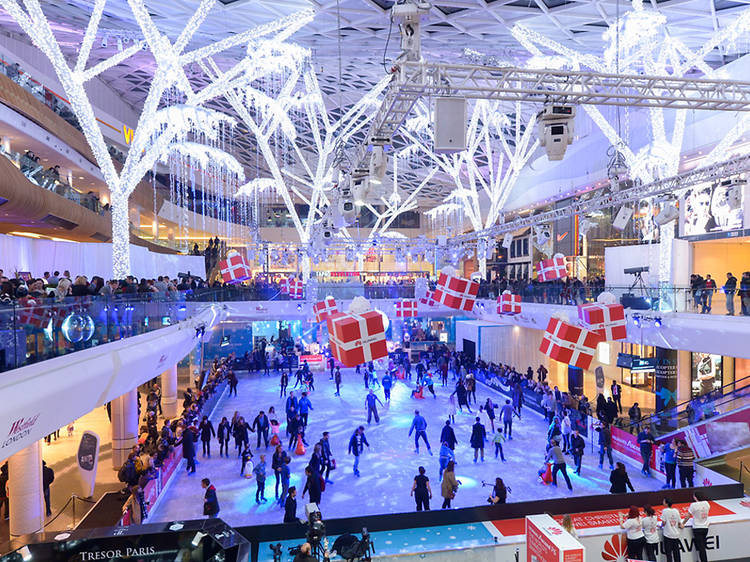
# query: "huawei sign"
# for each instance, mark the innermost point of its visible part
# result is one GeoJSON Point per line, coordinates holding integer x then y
{"type": "Point", "coordinates": [615, 549]}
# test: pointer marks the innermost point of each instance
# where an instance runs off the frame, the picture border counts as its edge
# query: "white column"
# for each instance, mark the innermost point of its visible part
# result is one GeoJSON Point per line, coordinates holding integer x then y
{"type": "Point", "coordinates": [25, 490]}
{"type": "Point", "coordinates": [124, 426]}
{"type": "Point", "coordinates": [169, 392]}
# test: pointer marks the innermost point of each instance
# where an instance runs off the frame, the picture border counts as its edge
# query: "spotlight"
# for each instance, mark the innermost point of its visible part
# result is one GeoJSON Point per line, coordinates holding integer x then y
{"type": "Point", "coordinates": [299, 307]}
{"type": "Point", "coordinates": [197, 539]}
{"type": "Point", "coordinates": [637, 320]}
{"type": "Point", "coordinates": [25, 553]}
{"type": "Point", "coordinates": [657, 322]}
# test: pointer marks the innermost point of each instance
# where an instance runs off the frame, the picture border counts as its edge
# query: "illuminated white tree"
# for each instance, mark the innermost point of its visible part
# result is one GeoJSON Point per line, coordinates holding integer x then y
{"type": "Point", "coordinates": [504, 140]}
{"type": "Point", "coordinates": [182, 127]}
{"type": "Point", "coordinates": [312, 175]}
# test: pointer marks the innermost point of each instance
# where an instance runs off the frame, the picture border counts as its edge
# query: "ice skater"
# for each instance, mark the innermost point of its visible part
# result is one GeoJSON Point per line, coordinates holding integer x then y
{"type": "Point", "coordinates": [419, 424]}
{"type": "Point", "coordinates": [452, 408]}
{"type": "Point", "coordinates": [489, 409]}
{"type": "Point", "coordinates": [357, 444]}
{"type": "Point", "coordinates": [246, 456]}
{"type": "Point", "coordinates": [261, 425]}
{"type": "Point", "coordinates": [240, 433]}
{"type": "Point", "coordinates": [461, 394]}
{"type": "Point", "coordinates": [222, 433]}
{"type": "Point", "coordinates": [447, 435]}
{"type": "Point", "coordinates": [555, 455]}
{"type": "Point", "coordinates": [371, 403]}
{"type": "Point", "coordinates": [427, 381]}
{"type": "Point", "coordinates": [506, 413]}
{"type": "Point", "coordinates": [304, 406]}
{"type": "Point", "coordinates": [446, 455]}
{"type": "Point", "coordinates": [260, 480]}
{"type": "Point", "coordinates": [337, 380]}
{"type": "Point", "coordinates": [498, 441]}
{"type": "Point", "coordinates": [283, 384]}
{"type": "Point", "coordinates": [387, 384]}
{"type": "Point", "coordinates": [478, 437]}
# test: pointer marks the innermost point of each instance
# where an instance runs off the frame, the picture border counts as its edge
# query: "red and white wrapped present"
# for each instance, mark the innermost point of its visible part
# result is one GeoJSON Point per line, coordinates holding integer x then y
{"type": "Point", "coordinates": [357, 338]}
{"type": "Point", "coordinates": [456, 292]}
{"type": "Point", "coordinates": [295, 287]}
{"type": "Point", "coordinates": [324, 309]}
{"type": "Point", "coordinates": [234, 269]}
{"type": "Point", "coordinates": [508, 303]}
{"type": "Point", "coordinates": [284, 286]}
{"type": "Point", "coordinates": [428, 300]}
{"type": "Point", "coordinates": [569, 344]}
{"type": "Point", "coordinates": [406, 308]}
{"type": "Point", "coordinates": [551, 269]}
{"type": "Point", "coordinates": [607, 320]}
{"type": "Point", "coordinates": [33, 315]}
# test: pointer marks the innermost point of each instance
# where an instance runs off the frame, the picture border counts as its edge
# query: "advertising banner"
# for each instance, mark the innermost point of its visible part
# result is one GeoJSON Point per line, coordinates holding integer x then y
{"type": "Point", "coordinates": [547, 541]}
{"type": "Point", "coordinates": [707, 373]}
{"type": "Point", "coordinates": [718, 435]}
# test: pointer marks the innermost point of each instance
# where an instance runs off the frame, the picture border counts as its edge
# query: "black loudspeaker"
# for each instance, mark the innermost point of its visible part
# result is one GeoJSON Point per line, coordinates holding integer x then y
{"type": "Point", "coordinates": [629, 300]}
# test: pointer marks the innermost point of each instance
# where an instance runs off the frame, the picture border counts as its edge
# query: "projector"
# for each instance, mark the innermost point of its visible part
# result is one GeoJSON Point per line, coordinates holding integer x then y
{"type": "Point", "coordinates": [635, 270]}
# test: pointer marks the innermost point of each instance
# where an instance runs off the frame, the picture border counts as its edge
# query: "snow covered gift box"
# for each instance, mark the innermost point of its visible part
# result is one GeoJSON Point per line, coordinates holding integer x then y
{"type": "Point", "coordinates": [551, 269]}
{"type": "Point", "coordinates": [455, 292]}
{"type": "Point", "coordinates": [357, 336]}
{"type": "Point", "coordinates": [295, 287]}
{"type": "Point", "coordinates": [406, 308]}
{"type": "Point", "coordinates": [607, 320]}
{"type": "Point", "coordinates": [569, 344]}
{"type": "Point", "coordinates": [234, 269]}
{"type": "Point", "coordinates": [508, 303]}
{"type": "Point", "coordinates": [324, 309]}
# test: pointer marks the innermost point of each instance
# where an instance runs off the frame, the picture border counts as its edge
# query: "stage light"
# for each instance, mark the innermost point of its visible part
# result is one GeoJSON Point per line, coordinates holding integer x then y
{"type": "Point", "coordinates": [637, 321]}
{"type": "Point", "coordinates": [299, 307]}
{"type": "Point", "coordinates": [657, 322]}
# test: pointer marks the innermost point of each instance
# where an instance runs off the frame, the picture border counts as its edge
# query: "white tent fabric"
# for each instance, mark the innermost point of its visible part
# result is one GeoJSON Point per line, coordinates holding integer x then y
{"type": "Point", "coordinates": [39, 255]}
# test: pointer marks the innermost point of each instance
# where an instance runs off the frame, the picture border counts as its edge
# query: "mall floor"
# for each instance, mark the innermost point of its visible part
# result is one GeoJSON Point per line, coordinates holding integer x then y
{"type": "Point", "coordinates": [387, 467]}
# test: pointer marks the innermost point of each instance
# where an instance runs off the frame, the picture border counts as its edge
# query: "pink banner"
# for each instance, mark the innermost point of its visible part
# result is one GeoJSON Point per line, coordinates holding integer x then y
{"type": "Point", "coordinates": [717, 435]}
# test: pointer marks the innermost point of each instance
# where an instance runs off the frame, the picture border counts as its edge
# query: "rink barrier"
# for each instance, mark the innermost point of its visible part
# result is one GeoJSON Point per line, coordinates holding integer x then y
{"type": "Point", "coordinates": [517, 510]}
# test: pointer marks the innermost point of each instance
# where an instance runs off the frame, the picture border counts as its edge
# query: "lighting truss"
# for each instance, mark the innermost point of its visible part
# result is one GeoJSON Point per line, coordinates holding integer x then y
{"type": "Point", "coordinates": [151, 141]}
{"type": "Point", "coordinates": [601, 200]}
{"type": "Point", "coordinates": [414, 80]}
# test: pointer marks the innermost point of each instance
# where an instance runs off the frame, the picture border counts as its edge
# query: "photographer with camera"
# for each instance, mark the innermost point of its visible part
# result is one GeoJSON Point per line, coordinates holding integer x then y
{"type": "Point", "coordinates": [499, 492]}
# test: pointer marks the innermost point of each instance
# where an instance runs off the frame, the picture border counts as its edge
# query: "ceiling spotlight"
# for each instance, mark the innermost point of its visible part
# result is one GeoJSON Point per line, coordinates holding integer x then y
{"type": "Point", "coordinates": [299, 307]}
{"type": "Point", "coordinates": [637, 320]}
{"type": "Point", "coordinates": [657, 322]}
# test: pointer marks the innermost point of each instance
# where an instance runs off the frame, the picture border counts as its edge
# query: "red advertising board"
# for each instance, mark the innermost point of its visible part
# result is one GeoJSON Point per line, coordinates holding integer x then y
{"type": "Point", "coordinates": [717, 435]}
{"type": "Point", "coordinates": [547, 541]}
{"type": "Point", "coordinates": [626, 443]}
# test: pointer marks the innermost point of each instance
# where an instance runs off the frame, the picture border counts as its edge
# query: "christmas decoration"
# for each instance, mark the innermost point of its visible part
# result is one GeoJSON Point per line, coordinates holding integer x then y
{"type": "Point", "coordinates": [455, 292]}
{"type": "Point", "coordinates": [234, 269]}
{"type": "Point", "coordinates": [324, 309]}
{"type": "Point", "coordinates": [607, 320]}
{"type": "Point", "coordinates": [551, 269]}
{"type": "Point", "coordinates": [357, 336]}
{"type": "Point", "coordinates": [406, 308]}
{"type": "Point", "coordinates": [569, 344]}
{"type": "Point", "coordinates": [508, 303]}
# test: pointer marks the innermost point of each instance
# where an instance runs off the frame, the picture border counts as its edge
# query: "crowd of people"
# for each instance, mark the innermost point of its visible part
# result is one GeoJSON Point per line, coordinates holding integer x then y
{"type": "Point", "coordinates": [156, 443]}
{"type": "Point", "coordinates": [702, 290]}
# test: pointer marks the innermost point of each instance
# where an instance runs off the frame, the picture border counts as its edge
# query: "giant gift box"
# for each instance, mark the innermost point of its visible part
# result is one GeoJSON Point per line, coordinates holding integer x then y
{"type": "Point", "coordinates": [294, 286]}
{"type": "Point", "coordinates": [569, 344]}
{"type": "Point", "coordinates": [357, 338]}
{"type": "Point", "coordinates": [427, 299]}
{"type": "Point", "coordinates": [551, 269]}
{"type": "Point", "coordinates": [234, 269]}
{"type": "Point", "coordinates": [456, 292]}
{"type": "Point", "coordinates": [406, 308]}
{"type": "Point", "coordinates": [607, 320]}
{"type": "Point", "coordinates": [509, 304]}
{"type": "Point", "coordinates": [33, 315]}
{"type": "Point", "coordinates": [324, 309]}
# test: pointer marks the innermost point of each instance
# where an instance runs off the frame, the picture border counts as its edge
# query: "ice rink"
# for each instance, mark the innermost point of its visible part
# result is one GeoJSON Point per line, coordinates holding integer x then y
{"type": "Point", "coordinates": [388, 467]}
